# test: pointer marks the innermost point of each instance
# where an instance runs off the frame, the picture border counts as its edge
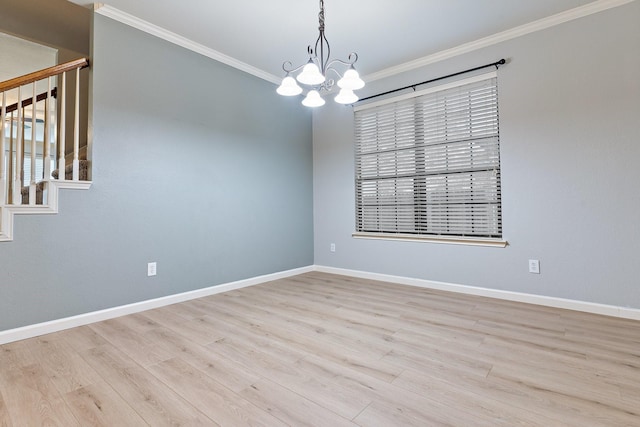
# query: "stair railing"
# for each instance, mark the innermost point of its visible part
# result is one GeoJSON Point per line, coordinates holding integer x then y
{"type": "Point", "coordinates": [18, 115]}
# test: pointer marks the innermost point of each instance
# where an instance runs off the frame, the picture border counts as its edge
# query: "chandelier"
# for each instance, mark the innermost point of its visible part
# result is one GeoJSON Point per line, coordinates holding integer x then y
{"type": "Point", "coordinates": [315, 73]}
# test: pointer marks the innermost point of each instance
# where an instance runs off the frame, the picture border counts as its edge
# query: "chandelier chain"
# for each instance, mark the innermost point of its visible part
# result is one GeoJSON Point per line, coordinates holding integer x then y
{"type": "Point", "coordinates": [322, 41]}
{"type": "Point", "coordinates": [321, 16]}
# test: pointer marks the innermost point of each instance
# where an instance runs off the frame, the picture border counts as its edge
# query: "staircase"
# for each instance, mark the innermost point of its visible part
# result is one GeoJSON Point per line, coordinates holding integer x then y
{"type": "Point", "coordinates": [33, 140]}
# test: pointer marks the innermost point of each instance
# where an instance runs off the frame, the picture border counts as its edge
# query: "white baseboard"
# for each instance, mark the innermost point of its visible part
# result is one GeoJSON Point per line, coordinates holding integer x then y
{"type": "Point", "coordinates": [588, 307]}
{"type": "Point", "coordinates": [38, 329]}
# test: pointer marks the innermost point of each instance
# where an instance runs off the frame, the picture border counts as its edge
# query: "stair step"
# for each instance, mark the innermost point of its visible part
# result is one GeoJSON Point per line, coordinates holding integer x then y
{"type": "Point", "coordinates": [39, 193]}
{"type": "Point", "coordinates": [68, 171]}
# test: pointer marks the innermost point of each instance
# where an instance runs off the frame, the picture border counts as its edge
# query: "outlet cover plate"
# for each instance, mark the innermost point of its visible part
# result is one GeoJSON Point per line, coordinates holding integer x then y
{"type": "Point", "coordinates": [534, 266]}
{"type": "Point", "coordinates": [151, 269]}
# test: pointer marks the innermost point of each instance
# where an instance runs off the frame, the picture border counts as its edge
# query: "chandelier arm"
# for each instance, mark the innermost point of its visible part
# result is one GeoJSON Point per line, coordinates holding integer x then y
{"type": "Point", "coordinates": [313, 52]}
{"type": "Point", "coordinates": [289, 68]}
{"type": "Point", "coordinates": [352, 59]}
{"type": "Point", "coordinates": [324, 57]}
{"type": "Point", "coordinates": [330, 68]}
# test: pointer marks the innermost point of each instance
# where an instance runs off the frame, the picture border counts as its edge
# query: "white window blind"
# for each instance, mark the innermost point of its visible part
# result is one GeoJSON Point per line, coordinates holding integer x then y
{"type": "Point", "coordinates": [429, 163]}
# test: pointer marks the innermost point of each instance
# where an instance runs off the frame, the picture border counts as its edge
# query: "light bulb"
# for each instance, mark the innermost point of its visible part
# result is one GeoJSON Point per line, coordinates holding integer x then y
{"type": "Point", "coordinates": [313, 99]}
{"type": "Point", "coordinates": [346, 96]}
{"type": "Point", "coordinates": [310, 75]}
{"type": "Point", "coordinates": [289, 87]}
{"type": "Point", "coordinates": [351, 80]}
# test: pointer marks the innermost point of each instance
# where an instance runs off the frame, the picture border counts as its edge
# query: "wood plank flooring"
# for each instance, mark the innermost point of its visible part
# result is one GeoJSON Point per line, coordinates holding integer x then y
{"type": "Point", "coordinates": [326, 350]}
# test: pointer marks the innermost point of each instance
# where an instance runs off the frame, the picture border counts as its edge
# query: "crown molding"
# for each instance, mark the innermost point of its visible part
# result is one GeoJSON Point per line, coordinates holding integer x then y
{"type": "Point", "coordinates": [540, 24]}
{"type": "Point", "coordinates": [147, 27]}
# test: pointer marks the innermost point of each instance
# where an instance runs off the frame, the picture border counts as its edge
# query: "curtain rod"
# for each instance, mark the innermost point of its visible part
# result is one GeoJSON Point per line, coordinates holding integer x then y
{"type": "Point", "coordinates": [413, 86]}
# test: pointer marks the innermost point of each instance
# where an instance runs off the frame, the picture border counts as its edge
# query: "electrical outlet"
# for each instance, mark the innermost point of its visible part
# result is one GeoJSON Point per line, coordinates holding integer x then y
{"type": "Point", "coordinates": [151, 269]}
{"type": "Point", "coordinates": [332, 247]}
{"type": "Point", "coordinates": [534, 266]}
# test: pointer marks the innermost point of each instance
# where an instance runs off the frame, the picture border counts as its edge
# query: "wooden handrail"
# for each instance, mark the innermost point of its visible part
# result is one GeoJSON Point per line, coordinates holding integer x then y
{"type": "Point", "coordinates": [43, 74]}
{"type": "Point", "coordinates": [26, 102]}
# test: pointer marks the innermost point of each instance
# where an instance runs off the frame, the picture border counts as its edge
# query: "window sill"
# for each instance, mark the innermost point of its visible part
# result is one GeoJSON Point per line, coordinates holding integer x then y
{"type": "Point", "coordinates": [469, 241]}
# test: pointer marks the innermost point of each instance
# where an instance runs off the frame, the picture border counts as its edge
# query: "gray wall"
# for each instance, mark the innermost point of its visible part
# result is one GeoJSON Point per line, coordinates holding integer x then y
{"type": "Point", "coordinates": [570, 143]}
{"type": "Point", "coordinates": [197, 166]}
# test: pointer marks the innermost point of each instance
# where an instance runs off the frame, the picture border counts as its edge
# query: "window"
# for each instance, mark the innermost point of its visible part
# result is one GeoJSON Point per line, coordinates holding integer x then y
{"type": "Point", "coordinates": [428, 163]}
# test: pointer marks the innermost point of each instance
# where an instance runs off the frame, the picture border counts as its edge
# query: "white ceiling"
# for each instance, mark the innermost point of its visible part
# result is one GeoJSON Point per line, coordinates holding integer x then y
{"type": "Point", "coordinates": [384, 33]}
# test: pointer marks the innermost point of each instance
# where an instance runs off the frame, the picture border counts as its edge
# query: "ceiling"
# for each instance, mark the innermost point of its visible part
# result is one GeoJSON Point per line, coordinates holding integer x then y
{"type": "Point", "coordinates": [385, 34]}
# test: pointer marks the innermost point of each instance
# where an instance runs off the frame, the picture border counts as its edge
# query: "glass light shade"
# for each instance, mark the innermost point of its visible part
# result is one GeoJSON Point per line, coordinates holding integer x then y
{"type": "Point", "coordinates": [346, 96]}
{"type": "Point", "coordinates": [310, 75]}
{"type": "Point", "coordinates": [351, 80]}
{"type": "Point", "coordinates": [313, 99]}
{"type": "Point", "coordinates": [289, 87]}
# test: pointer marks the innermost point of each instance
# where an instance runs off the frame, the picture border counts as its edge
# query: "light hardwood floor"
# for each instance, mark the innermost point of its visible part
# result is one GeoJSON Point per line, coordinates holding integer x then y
{"type": "Point", "coordinates": [326, 350]}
